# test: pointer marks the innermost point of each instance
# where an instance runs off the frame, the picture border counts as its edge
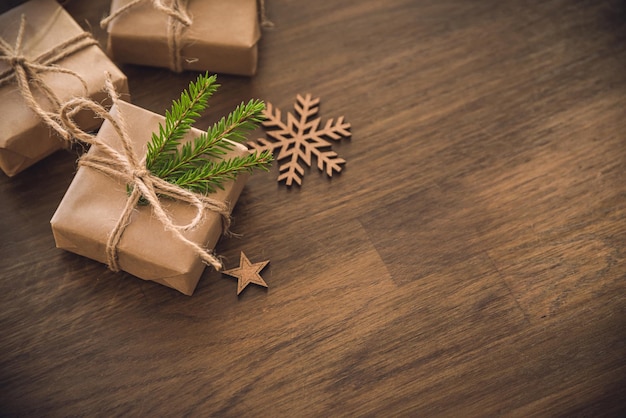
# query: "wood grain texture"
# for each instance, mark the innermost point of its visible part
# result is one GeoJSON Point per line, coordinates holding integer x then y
{"type": "Point", "coordinates": [467, 261]}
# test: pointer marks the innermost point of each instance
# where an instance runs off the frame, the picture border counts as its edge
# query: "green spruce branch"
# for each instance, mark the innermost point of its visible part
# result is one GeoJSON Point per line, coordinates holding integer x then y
{"type": "Point", "coordinates": [179, 119]}
{"type": "Point", "coordinates": [198, 165]}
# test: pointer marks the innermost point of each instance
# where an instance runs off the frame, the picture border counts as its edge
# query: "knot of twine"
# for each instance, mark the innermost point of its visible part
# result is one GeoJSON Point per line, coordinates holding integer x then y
{"type": "Point", "coordinates": [25, 71]}
{"type": "Point", "coordinates": [178, 19]}
{"type": "Point", "coordinates": [128, 167]}
{"type": "Point", "coordinates": [141, 174]}
{"type": "Point", "coordinates": [17, 61]}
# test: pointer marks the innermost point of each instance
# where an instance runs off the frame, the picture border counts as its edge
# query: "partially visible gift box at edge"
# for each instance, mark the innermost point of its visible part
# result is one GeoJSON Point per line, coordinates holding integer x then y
{"type": "Point", "coordinates": [219, 36]}
{"type": "Point", "coordinates": [56, 57]}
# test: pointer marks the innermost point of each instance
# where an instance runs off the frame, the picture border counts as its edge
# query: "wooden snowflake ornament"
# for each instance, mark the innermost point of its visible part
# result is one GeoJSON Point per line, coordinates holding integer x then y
{"type": "Point", "coordinates": [300, 138]}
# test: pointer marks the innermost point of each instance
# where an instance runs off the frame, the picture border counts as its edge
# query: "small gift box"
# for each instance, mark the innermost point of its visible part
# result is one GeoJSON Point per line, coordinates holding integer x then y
{"type": "Point", "coordinates": [45, 59]}
{"type": "Point", "coordinates": [214, 35]}
{"type": "Point", "coordinates": [92, 207]}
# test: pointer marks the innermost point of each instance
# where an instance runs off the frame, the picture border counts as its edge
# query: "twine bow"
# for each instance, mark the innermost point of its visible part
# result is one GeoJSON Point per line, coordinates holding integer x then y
{"type": "Point", "coordinates": [25, 71]}
{"type": "Point", "coordinates": [178, 19]}
{"type": "Point", "coordinates": [128, 167]}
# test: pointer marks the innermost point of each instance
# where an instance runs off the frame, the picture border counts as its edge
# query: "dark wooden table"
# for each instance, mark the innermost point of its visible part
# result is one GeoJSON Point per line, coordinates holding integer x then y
{"type": "Point", "coordinates": [468, 261]}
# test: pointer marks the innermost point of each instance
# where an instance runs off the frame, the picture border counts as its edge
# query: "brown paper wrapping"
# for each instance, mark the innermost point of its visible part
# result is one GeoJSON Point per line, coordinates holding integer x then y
{"type": "Point", "coordinates": [94, 202]}
{"type": "Point", "coordinates": [222, 38]}
{"type": "Point", "coordinates": [24, 138]}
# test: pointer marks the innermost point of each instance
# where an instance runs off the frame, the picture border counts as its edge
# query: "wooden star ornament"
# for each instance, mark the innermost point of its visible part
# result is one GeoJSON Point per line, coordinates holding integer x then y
{"type": "Point", "coordinates": [247, 273]}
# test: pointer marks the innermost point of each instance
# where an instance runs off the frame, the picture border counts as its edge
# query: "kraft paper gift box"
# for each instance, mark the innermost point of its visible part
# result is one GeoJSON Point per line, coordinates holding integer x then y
{"type": "Point", "coordinates": [94, 202]}
{"type": "Point", "coordinates": [222, 36]}
{"type": "Point", "coordinates": [24, 137]}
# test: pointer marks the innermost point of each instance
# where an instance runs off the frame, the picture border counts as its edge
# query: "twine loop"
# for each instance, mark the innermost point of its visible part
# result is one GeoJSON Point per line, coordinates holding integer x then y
{"type": "Point", "coordinates": [127, 167]}
{"type": "Point", "coordinates": [26, 71]}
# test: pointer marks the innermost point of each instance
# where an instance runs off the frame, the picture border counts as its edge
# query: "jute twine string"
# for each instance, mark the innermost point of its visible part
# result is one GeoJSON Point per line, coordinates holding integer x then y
{"type": "Point", "coordinates": [128, 167]}
{"type": "Point", "coordinates": [178, 19]}
{"type": "Point", "coordinates": [265, 22]}
{"type": "Point", "coordinates": [26, 71]}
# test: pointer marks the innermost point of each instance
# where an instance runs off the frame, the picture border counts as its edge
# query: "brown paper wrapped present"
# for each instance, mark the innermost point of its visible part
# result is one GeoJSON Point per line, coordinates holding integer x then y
{"type": "Point", "coordinates": [45, 59]}
{"type": "Point", "coordinates": [94, 202]}
{"type": "Point", "coordinates": [214, 35]}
